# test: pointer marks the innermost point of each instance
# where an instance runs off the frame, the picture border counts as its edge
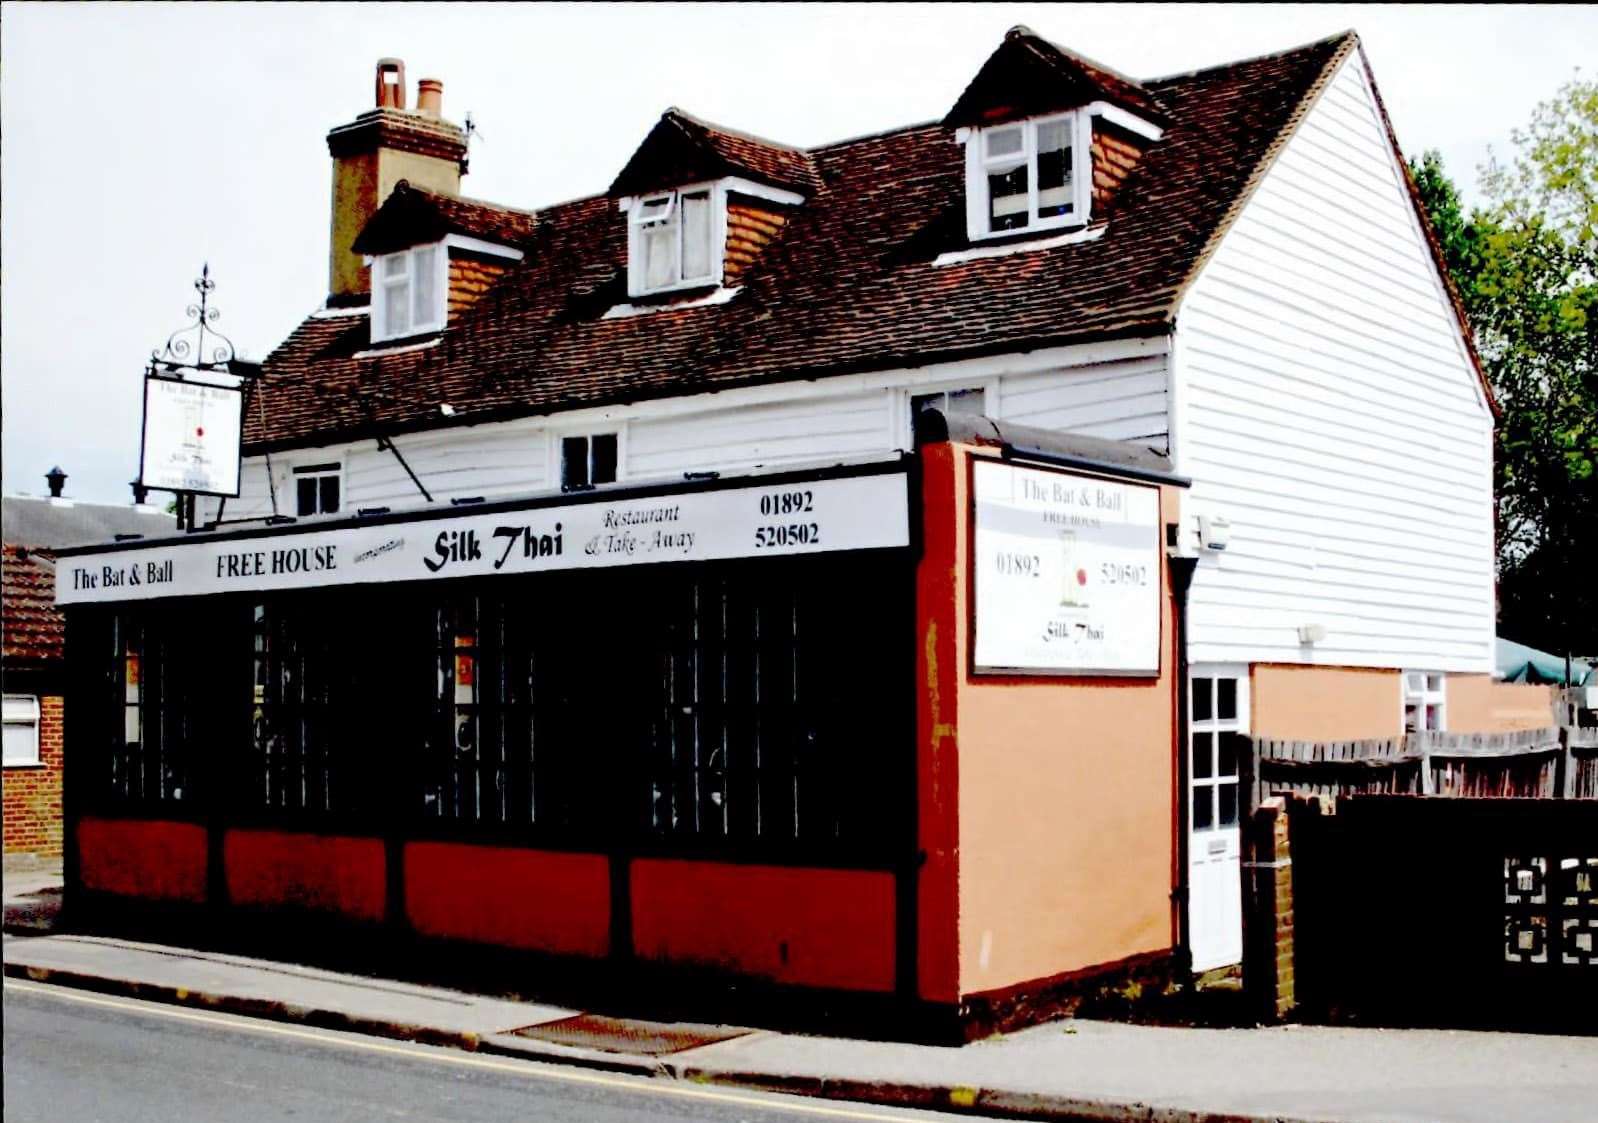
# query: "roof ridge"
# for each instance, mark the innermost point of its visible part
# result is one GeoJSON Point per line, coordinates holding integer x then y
{"type": "Point", "coordinates": [693, 119]}
{"type": "Point", "coordinates": [1021, 30]}
{"type": "Point", "coordinates": [471, 199]}
{"type": "Point", "coordinates": [877, 135]}
{"type": "Point", "coordinates": [1266, 57]}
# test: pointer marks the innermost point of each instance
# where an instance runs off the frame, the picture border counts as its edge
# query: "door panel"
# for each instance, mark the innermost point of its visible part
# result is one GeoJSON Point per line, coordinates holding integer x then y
{"type": "Point", "coordinates": [1217, 724]}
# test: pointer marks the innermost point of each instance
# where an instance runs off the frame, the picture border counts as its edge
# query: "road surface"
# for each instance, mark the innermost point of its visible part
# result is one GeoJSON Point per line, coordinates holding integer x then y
{"type": "Point", "coordinates": [88, 1058]}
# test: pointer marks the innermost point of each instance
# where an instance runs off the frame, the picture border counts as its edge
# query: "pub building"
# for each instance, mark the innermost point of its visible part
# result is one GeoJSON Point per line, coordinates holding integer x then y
{"type": "Point", "coordinates": [778, 564]}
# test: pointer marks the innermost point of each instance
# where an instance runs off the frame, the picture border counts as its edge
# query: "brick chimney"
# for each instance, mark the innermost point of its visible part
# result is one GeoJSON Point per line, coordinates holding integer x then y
{"type": "Point", "coordinates": [374, 152]}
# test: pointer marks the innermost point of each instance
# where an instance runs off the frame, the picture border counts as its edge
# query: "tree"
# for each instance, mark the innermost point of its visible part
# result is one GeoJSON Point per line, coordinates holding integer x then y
{"type": "Point", "coordinates": [1526, 268]}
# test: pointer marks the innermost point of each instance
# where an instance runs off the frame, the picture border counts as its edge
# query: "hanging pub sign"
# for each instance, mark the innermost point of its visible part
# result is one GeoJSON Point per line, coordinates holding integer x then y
{"type": "Point", "coordinates": [191, 436]}
{"type": "Point", "coordinates": [809, 516]}
{"type": "Point", "coordinates": [1066, 573]}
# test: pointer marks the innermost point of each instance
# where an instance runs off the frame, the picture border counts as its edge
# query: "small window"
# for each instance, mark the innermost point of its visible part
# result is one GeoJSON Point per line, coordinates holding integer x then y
{"type": "Point", "coordinates": [408, 290]}
{"type": "Point", "coordinates": [1027, 176]}
{"type": "Point", "coordinates": [673, 241]}
{"type": "Point", "coordinates": [316, 489]}
{"type": "Point", "coordinates": [21, 730]}
{"type": "Point", "coordinates": [586, 461]}
{"type": "Point", "coordinates": [968, 400]}
{"type": "Point", "coordinates": [1423, 701]}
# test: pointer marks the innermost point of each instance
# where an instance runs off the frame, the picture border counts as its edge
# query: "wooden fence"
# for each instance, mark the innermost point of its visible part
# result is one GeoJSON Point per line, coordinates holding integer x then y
{"type": "Point", "coordinates": [1552, 763]}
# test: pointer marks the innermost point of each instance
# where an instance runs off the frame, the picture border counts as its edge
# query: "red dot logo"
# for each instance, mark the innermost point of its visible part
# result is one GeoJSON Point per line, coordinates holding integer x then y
{"type": "Point", "coordinates": [200, 432]}
{"type": "Point", "coordinates": [1081, 577]}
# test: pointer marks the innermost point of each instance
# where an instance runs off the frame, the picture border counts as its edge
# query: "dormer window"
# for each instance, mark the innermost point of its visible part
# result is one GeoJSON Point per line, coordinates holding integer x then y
{"type": "Point", "coordinates": [409, 291]}
{"type": "Point", "coordinates": [1028, 175]}
{"type": "Point", "coordinates": [672, 240]}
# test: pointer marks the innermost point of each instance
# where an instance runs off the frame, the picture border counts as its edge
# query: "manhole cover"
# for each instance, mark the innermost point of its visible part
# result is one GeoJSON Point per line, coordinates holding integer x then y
{"type": "Point", "coordinates": [626, 1035]}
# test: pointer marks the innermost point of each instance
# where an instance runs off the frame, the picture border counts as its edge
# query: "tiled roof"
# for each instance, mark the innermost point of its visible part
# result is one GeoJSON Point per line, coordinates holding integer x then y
{"type": "Point", "coordinates": [683, 149]}
{"type": "Point", "coordinates": [31, 628]}
{"type": "Point", "coordinates": [849, 285]}
{"type": "Point", "coordinates": [412, 215]}
{"type": "Point", "coordinates": [1029, 76]}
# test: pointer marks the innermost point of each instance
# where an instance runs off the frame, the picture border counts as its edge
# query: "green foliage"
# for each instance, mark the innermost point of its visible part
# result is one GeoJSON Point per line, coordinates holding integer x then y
{"type": "Point", "coordinates": [1526, 268]}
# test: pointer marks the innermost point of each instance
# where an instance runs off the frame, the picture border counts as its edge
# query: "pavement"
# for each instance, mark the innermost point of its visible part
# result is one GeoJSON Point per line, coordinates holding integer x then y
{"type": "Point", "coordinates": [1076, 1069]}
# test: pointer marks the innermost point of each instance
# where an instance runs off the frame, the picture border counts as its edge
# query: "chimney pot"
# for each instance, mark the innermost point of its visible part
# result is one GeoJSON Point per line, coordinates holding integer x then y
{"type": "Point", "coordinates": [56, 479]}
{"type": "Point", "coordinates": [430, 97]}
{"type": "Point", "coordinates": [390, 83]}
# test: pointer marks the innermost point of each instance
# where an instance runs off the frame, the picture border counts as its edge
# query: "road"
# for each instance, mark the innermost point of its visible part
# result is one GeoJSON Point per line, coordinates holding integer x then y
{"type": "Point", "coordinates": [71, 1055]}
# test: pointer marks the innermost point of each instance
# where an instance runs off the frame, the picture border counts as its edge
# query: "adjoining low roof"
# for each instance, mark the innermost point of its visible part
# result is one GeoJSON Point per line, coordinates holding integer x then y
{"type": "Point", "coordinates": [1028, 76]}
{"type": "Point", "coordinates": [412, 215]}
{"type": "Point", "coordinates": [31, 627]}
{"type": "Point", "coordinates": [681, 149]}
{"type": "Point", "coordinates": [52, 524]}
{"type": "Point", "coordinates": [851, 284]}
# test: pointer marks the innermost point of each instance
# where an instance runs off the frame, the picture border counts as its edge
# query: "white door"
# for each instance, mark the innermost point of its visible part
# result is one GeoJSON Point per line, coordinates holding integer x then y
{"type": "Point", "coordinates": [1217, 726]}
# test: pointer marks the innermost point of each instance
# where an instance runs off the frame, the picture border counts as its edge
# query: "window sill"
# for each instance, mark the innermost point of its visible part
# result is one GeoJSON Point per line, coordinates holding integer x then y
{"type": "Point", "coordinates": [400, 346]}
{"type": "Point", "coordinates": [1022, 245]}
{"type": "Point", "coordinates": [714, 296]}
{"type": "Point", "coordinates": [24, 765]}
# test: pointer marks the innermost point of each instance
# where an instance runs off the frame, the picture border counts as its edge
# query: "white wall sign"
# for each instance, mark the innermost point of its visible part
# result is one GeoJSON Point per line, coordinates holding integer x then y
{"type": "Point", "coordinates": [191, 436]}
{"type": "Point", "coordinates": [810, 517]}
{"type": "Point", "coordinates": [1066, 573]}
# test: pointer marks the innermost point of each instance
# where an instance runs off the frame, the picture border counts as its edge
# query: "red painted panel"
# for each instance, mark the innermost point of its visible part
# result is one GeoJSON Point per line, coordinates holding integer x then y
{"type": "Point", "coordinates": [326, 873]}
{"type": "Point", "coordinates": [150, 858]}
{"type": "Point", "coordinates": [940, 623]}
{"type": "Point", "coordinates": [815, 927]}
{"type": "Point", "coordinates": [533, 899]}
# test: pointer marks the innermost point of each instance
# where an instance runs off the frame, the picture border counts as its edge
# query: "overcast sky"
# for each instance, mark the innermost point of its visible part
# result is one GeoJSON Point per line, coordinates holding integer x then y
{"type": "Point", "coordinates": [143, 139]}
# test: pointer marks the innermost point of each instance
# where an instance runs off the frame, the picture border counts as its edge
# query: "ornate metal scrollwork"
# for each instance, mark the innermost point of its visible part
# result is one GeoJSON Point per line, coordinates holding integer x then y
{"type": "Point", "coordinates": [188, 348]}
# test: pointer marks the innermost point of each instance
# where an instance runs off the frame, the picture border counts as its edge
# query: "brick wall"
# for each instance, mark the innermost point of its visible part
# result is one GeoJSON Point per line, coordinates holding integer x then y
{"type": "Point", "coordinates": [1268, 936]}
{"type": "Point", "coordinates": [32, 795]}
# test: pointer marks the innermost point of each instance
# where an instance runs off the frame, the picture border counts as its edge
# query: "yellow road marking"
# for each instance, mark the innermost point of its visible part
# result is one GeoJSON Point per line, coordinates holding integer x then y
{"type": "Point", "coordinates": [465, 1060]}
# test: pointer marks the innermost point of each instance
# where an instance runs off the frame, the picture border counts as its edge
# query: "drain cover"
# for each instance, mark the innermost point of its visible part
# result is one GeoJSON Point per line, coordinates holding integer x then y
{"type": "Point", "coordinates": [626, 1035]}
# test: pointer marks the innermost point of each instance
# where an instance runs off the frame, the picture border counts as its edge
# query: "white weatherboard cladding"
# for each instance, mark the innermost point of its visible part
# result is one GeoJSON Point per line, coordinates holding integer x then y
{"type": "Point", "coordinates": [1114, 390]}
{"type": "Point", "coordinates": [769, 520]}
{"type": "Point", "coordinates": [1329, 411]}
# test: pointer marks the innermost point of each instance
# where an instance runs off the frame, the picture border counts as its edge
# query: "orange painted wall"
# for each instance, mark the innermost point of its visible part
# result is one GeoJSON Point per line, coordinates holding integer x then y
{"type": "Point", "coordinates": [814, 927]}
{"type": "Point", "coordinates": [1477, 704]}
{"type": "Point", "coordinates": [149, 858]}
{"type": "Point", "coordinates": [533, 899]}
{"type": "Point", "coordinates": [323, 873]}
{"type": "Point", "coordinates": [1066, 810]}
{"type": "Point", "coordinates": [1294, 703]}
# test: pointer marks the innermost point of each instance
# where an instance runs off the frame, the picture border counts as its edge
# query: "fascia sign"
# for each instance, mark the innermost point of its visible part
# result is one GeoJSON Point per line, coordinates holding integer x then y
{"type": "Point", "coordinates": [1066, 573]}
{"type": "Point", "coordinates": [780, 519]}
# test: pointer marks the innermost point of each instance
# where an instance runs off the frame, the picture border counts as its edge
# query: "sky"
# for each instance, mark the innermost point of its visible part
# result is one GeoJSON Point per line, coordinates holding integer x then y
{"type": "Point", "coordinates": [142, 140]}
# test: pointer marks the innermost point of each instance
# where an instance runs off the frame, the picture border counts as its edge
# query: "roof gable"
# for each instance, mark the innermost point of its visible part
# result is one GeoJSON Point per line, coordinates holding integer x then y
{"type": "Point", "coordinates": [413, 216]}
{"type": "Point", "coordinates": [681, 149]}
{"type": "Point", "coordinates": [1028, 76]}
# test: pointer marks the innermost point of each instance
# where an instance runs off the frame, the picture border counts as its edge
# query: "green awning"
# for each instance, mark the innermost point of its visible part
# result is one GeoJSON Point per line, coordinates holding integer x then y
{"type": "Point", "coordinates": [1519, 663]}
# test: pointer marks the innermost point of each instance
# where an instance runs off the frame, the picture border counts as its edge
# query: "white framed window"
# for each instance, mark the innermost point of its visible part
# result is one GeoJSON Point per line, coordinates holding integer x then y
{"type": "Point", "coordinates": [410, 291]}
{"type": "Point", "coordinates": [318, 489]}
{"type": "Point", "coordinates": [674, 239]}
{"type": "Point", "coordinates": [21, 730]}
{"type": "Point", "coordinates": [588, 459]}
{"type": "Point", "coordinates": [1029, 175]}
{"type": "Point", "coordinates": [971, 399]}
{"type": "Point", "coordinates": [1425, 704]}
{"type": "Point", "coordinates": [1218, 712]}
